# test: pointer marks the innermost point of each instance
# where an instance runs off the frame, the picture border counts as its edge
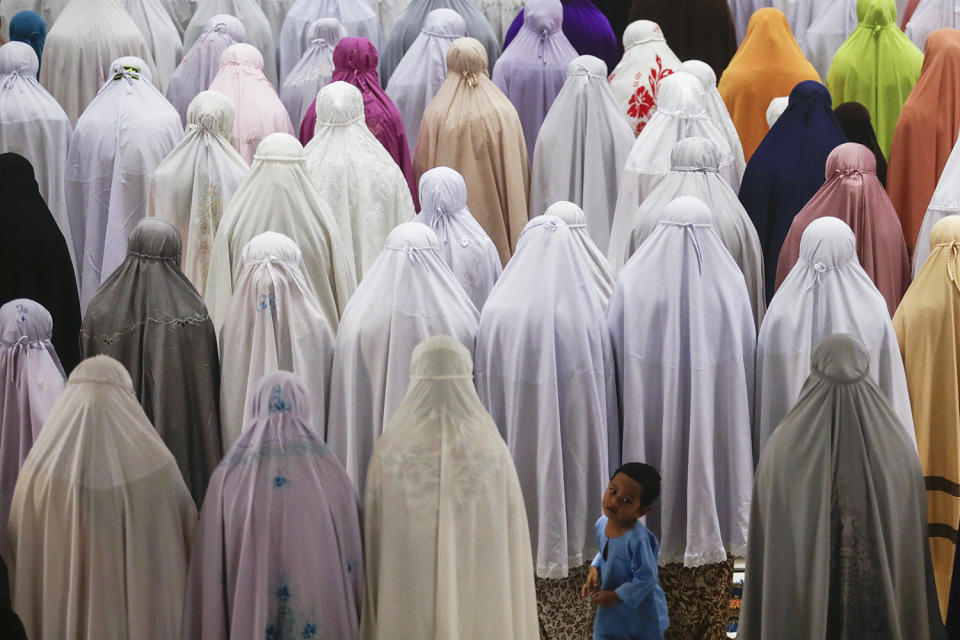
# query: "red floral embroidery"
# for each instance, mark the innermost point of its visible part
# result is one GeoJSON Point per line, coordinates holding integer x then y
{"type": "Point", "coordinates": [644, 97]}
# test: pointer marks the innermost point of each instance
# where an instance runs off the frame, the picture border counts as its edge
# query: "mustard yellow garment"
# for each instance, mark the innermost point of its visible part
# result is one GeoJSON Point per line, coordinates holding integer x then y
{"type": "Point", "coordinates": [928, 329]}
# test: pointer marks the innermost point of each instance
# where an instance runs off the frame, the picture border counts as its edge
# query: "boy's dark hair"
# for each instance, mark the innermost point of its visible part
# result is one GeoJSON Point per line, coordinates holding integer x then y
{"type": "Point", "coordinates": [644, 475]}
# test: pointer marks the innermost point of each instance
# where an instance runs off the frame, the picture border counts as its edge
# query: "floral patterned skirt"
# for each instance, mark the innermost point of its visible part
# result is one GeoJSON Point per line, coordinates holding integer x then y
{"type": "Point", "coordinates": [698, 600]}
{"type": "Point", "coordinates": [563, 614]}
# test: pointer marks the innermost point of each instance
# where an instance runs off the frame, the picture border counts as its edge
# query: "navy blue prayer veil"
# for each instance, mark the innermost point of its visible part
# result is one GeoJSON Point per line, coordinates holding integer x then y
{"type": "Point", "coordinates": [788, 168]}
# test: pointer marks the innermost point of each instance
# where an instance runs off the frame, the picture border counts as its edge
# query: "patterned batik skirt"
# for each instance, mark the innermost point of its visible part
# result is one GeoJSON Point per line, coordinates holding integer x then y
{"type": "Point", "coordinates": [564, 615]}
{"type": "Point", "coordinates": [698, 600]}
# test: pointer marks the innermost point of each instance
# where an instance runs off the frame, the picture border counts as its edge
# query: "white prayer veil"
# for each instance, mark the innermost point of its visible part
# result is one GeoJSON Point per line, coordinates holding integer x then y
{"type": "Point", "coordinates": [831, 26]}
{"type": "Point", "coordinates": [582, 148]}
{"type": "Point", "coordinates": [101, 520]}
{"type": "Point", "coordinates": [544, 371]}
{"type": "Point", "coordinates": [356, 16]}
{"type": "Point", "coordinates": [686, 386]}
{"type": "Point", "coordinates": [596, 264]}
{"type": "Point", "coordinates": [120, 139]}
{"type": "Point", "coordinates": [716, 108]}
{"type": "Point", "coordinates": [274, 323]}
{"type": "Point", "coordinates": [313, 71]}
{"type": "Point", "coordinates": [162, 36]}
{"type": "Point", "coordinates": [277, 195]}
{"type": "Point", "coordinates": [356, 175]}
{"type": "Point", "coordinates": [192, 186]}
{"type": "Point", "coordinates": [387, 12]}
{"type": "Point", "coordinates": [33, 125]}
{"type": "Point", "coordinates": [464, 245]}
{"type": "Point", "coordinates": [409, 294]}
{"type": "Point", "coordinates": [446, 540]}
{"type": "Point", "coordinates": [256, 27]}
{"type": "Point", "coordinates": [423, 69]}
{"type": "Point", "coordinates": [826, 292]}
{"type": "Point", "coordinates": [945, 202]}
{"type": "Point", "coordinates": [694, 172]}
{"type": "Point", "coordinates": [776, 108]}
{"type": "Point", "coordinates": [929, 16]}
{"type": "Point", "coordinates": [681, 113]}
{"type": "Point", "coordinates": [202, 61]}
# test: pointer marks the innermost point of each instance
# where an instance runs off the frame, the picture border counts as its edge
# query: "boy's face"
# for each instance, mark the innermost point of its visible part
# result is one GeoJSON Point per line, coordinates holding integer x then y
{"type": "Point", "coordinates": [621, 502]}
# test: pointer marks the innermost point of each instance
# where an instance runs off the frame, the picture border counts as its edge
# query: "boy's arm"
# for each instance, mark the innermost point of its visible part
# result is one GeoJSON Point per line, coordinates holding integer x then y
{"type": "Point", "coordinates": [643, 565]}
{"type": "Point", "coordinates": [596, 561]}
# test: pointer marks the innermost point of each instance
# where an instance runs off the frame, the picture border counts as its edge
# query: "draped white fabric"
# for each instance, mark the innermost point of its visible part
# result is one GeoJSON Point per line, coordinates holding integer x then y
{"type": "Point", "coordinates": [35, 126]}
{"type": "Point", "coordinates": [80, 49]}
{"type": "Point", "coordinates": [464, 245]}
{"type": "Point", "coordinates": [120, 139]}
{"type": "Point", "coordinates": [681, 113]}
{"type": "Point", "coordinates": [829, 29]}
{"type": "Point", "coordinates": [200, 64]}
{"type": "Point", "coordinates": [446, 543]}
{"type": "Point", "coordinates": [500, 14]}
{"type": "Point", "coordinates": [716, 108]}
{"type": "Point", "coordinates": [686, 387]}
{"type": "Point", "coordinates": [277, 195]}
{"type": "Point", "coordinates": [694, 173]}
{"type": "Point", "coordinates": [192, 186]}
{"type": "Point", "coordinates": [544, 371]}
{"type": "Point", "coordinates": [256, 28]}
{"type": "Point", "coordinates": [929, 16]}
{"type": "Point", "coordinates": [423, 69]}
{"type": "Point", "coordinates": [274, 323]}
{"type": "Point", "coordinates": [826, 292]}
{"type": "Point", "coordinates": [356, 16]}
{"type": "Point", "coordinates": [387, 12]}
{"type": "Point", "coordinates": [162, 37]}
{"type": "Point", "coordinates": [355, 175]}
{"type": "Point", "coordinates": [596, 264]}
{"type": "Point", "coordinates": [945, 202]}
{"type": "Point", "coordinates": [313, 71]}
{"type": "Point", "coordinates": [409, 294]}
{"type": "Point", "coordinates": [776, 108]}
{"type": "Point", "coordinates": [582, 148]}
{"type": "Point", "coordinates": [101, 520]}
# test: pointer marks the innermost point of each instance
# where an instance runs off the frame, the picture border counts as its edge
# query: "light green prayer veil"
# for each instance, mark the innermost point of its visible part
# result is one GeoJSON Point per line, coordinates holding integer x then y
{"type": "Point", "coordinates": [876, 66]}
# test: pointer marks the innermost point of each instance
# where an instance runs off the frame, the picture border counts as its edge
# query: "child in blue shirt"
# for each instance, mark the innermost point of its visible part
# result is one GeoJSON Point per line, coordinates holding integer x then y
{"type": "Point", "coordinates": [623, 577]}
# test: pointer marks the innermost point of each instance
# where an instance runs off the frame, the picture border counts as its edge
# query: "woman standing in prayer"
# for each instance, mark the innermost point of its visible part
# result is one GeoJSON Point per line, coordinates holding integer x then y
{"type": "Point", "coordinates": [446, 541]}
{"type": "Point", "coordinates": [945, 202]}
{"type": "Point", "coordinates": [716, 108]}
{"type": "Point", "coordinates": [927, 323]}
{"type": "Point", "coordinates": [877, 66]}
{"type": "Point", "coordinates": [259, 111]}
{"type": "Point", "coordinates": [545, 373]}
{"type": "Point", "coordinates": [927, 17]}
{"type": "Point", "coordinates": [101, 521]}
{"type": "Point", "coordinates": [854, 119]}
{"type": "Point", "coordinates": [689, 408]}
{"type": "Point", "coordinates": [409, 295]}
{"type": "Point", "coordinates": [423, 68]}
{"type": "Point", "coordinates": [532, 70]}
{"type": "Point", "coordinates": [31, 378]}
{"type": "Point", "coordinates": [161, 35]}
{"type": "Point", "coordinates": [464, 245]}
{"type": "Point", "coordinates": [853, 194]}
{"type": "Point", "coordinates": [192, 186]}
{"type": "Point", "coordinates": [411, 21]}
{"type": "Point", "coordinates": [313, 71]}
{"type": "Point", "coordinates": [587, 29]}
{"type": "Point", "coordinates": [149, 317]}
{"type": "Point", "coordinates": [926, 132]}
{"type": "Point", "coordinates": [837, 543]}
{"type": "Point", "coordinates": [256, 28]}
{"type": "Point", "coordinates": [470, 126]}
{"type": "Point", "coordinates": [769, 63]}
{"type": "Point", "coordinates": [274, 323]}
{"type": "Point", "coordinates": [278, 546]}
{"type": "Point", "coordinates": [200, 64]}
{"type": "Point", "coordinates": [596, 264]}
{"type": "Point", "coordinates": [826, 290]}
{"type": "Point", "coordinates": [788, 169]}
{"type": "Point", "coordinates": [120, 139]}
{"type": "Point", "coordinates": [582, 148]}
{"type": "Point", "coordinates": [29, 27]}
{"type": "Point", "coordinates": [355, 176]}
{"type": "Point", "coordinates": [278, 195]}
{"type": "Point", "coordinates": [34, 259]}
{"type": "Point", "coordinates": [695, 29]}
{"type": "Point", "coordinates": [830, 28]}
{"type": "Point", "coordinates": [33, 125]}
{"type": "Point", "coordinates": [694, 173]}
{"type": "Point", "coordinates": [80, 51]}
{"type": "Point", "coordinates": [635, 81]}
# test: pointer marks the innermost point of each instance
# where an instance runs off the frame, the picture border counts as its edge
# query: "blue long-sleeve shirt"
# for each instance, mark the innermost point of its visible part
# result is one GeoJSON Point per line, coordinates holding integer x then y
{"type": "Point", "coordinates": [630, 569]}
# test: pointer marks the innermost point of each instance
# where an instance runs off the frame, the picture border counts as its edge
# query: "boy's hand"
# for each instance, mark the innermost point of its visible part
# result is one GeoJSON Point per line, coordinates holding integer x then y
{"type": "Point", "coordinates": [592, 583]}
{"type": "Point", "coordinates": [606, 599]}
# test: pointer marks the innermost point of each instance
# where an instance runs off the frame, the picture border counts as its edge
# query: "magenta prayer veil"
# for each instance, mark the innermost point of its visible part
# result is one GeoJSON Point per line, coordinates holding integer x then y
{"type": "Point", "coordinates": [277, 552]}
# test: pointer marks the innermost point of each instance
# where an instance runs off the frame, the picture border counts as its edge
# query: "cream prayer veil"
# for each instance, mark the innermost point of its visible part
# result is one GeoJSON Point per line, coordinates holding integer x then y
{"type": "Point", "coordinates": [101, 521]}
{"type": "Point", "coordinates": [447, 549]}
